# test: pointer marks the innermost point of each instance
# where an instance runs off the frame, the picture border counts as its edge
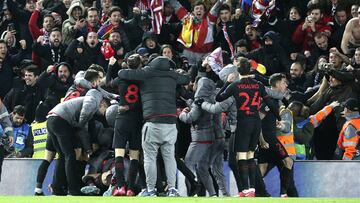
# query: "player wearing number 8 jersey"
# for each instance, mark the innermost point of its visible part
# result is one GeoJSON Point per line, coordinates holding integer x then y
{"type": "Point", "coordinates": [249, 95]}
{"type": "Point", "coordinates": [127, 129]}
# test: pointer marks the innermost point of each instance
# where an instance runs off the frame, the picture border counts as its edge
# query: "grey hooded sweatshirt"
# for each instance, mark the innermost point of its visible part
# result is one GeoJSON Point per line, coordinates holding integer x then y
{"type": "Point", "coordinates": [205, 126]}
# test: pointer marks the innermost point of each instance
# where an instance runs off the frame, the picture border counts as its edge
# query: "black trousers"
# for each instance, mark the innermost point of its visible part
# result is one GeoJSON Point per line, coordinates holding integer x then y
{"type": "Point", "coordinates": [64, 143]}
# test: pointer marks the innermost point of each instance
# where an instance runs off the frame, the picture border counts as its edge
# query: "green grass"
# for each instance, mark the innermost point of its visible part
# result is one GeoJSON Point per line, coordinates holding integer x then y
{"type": "Point", "coordinates": [57, 199]}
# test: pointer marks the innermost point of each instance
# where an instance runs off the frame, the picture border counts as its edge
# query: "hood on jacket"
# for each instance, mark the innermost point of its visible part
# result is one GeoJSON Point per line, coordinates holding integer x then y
{"type": "Point", "coordinates": [149, 35]}
{"type": "Point", "coordinates": [75, 3]}
{"type": "Point", "coordinates": [205, 88]}
{"type": "Point", "coordinates": [162, 63]}
{"type": "Point", "coordinates": [273, 36]}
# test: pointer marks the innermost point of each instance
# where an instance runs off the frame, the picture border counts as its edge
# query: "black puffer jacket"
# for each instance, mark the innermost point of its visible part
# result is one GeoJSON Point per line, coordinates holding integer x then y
{"type": "Point", "coordinates": [158, 83]}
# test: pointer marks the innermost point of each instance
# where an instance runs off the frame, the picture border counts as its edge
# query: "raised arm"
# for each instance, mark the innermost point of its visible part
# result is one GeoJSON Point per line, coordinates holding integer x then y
{"type": "Point", "coordinates": [218, 107]}
{"type": "Point", "coordinates": [131, 74]}
{"type": "Point", "coordinates": [191, 116]}
{"type": "Point", "coordinates": [225, 92]}
{"type": "Point", "coordinates": [346, 37]}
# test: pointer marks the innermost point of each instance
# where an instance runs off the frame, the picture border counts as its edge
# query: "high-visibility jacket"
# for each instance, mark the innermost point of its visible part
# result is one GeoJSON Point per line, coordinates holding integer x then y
{"type": "Point", "coordinates": [40, 133]}
{"type": "Point", "coordinates": [348, 141]}
{"type": "Point", "coordinates": [286, 136]}
{"type": "Point", "coordinates": [320, 116]}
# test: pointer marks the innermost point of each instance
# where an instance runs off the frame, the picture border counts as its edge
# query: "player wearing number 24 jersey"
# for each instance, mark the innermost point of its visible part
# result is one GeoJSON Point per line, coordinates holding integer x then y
{"type": "Point", "coordinates": [249, 95]}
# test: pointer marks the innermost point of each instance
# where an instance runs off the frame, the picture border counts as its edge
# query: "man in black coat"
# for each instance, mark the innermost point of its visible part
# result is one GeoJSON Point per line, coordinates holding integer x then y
{"type": "Point", "coordinates": [271, 55]}
{"type": "Point", "coordinates": [29, 95]}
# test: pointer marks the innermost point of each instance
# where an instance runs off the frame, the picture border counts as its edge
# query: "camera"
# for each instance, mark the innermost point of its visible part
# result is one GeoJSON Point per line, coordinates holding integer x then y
{"type": "Point", "coordinates": [326, 67]}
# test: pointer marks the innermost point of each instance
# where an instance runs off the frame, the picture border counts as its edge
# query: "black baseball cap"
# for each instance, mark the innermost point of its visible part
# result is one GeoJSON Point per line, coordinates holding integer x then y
{"type": "Point", "coordinates": [352, 104]}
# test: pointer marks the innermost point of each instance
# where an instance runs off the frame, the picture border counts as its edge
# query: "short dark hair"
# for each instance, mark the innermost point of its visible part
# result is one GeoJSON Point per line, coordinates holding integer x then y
{"type": "Point", "coordinates": [90, 9]}
{"type": "Point", "coordinates": [275, 78]}
{"type": "Point", "coordinates": [48, 15]}
{"type": "Point", "coordinates": [91, 75]}
{"type": "Point", "coordinates": [299, 63]}
{"type": "Point", "coordinates": [242, 43]}
{"type": "Point", "coordinates": [2, 41]}
{"type": "Point", "coordinates": [166, 46]}
{"type": "Point", "coordinates": [55, 29]}
{"type": "Point", "coordinates": [32, 69]}
{"type": "Point", "coordinates": [97, 68]}
{"type": "Point", "coordinates": [312, 7]}
{"type": "Point", "coordinates": [243, 66]}
{"type": "Point", "coordinates": [341, 7]}
{"type": "Point", "coordinates": [115, 9]}
{"type": "Point", "coordinates": [134, 61]}
{"type": "Point", "coordinates": [199, 3]}
{"type": "Point", "coordinates": [19, 110]}
{"type": "Point", "coordinates": [225, 7]}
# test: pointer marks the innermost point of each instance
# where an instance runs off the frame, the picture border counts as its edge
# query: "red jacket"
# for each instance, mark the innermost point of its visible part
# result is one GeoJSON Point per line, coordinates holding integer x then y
{"type": "Point", "coordinates": [306, 37]}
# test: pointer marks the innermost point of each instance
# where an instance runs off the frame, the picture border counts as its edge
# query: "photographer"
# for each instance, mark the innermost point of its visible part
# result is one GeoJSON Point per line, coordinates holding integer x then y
{"type": "Point", "coordinates": [6, 132]}
{"type": "Point", "coordinates": [337, 61]}
{"type": "Point", "coordinates": [342, 86]}
{"type": "Point", "coordinates": [304, 33]}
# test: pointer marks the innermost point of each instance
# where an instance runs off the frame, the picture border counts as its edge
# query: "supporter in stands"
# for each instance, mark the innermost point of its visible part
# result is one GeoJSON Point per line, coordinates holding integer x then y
{"type": "Point", "coordinates": [341, 87]}
{"type": "Point", "coordinates": [354, 10]}
{"type": "Point", "coordinates": [226, 33]}
{"type": "Point", "coordinates": [252, 37]}
{"type": "Point", "coordinates": [84, 52]}
{"type": "Point", "coordinates": [76, 25]}
{"type": "Point", "coordinates": [271, 55]}
{"type": "Point", "coordinates": [150, 43]}
{"type": "Point", "coordinates": [23, 138]}
{"type": "Point", "coordinates": [7, 62]}
{"type": "Point", "coordinates": [341, 17]}
{"type": "Point", "coordinates": [297, 81]}
{"type": "Point", "coordinates": [115, 23]}
{"type": "Point", "coordinates": [51, 53]}
{"type": "Point", "coordinates": [47, 24]}
{"type": "Point", "coordinates": [355, 61]}
{"type": "Point", "coordinates": [322, 47]}
{"type": "Point", "coordinates": [92, 19]}
{"type": "Point", "coordinates": [351, 38]}
{"type": "Point", "coordinates": [313, 23]}
{"type": "Point", "coordinates": [29, 95]}
{"type": "Point", "coordinates": [22, 16]}
{"type": "Point", "coordinates": [200, 24]}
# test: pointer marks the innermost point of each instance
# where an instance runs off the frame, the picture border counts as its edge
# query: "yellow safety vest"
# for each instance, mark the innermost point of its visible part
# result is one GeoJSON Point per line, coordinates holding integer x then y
{"type": "Point", "coordinates": [40, 134]}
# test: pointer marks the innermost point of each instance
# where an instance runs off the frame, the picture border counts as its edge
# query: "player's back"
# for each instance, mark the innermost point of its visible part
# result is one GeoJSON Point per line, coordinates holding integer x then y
{"type": "Point", "coordinates": [249, 93]}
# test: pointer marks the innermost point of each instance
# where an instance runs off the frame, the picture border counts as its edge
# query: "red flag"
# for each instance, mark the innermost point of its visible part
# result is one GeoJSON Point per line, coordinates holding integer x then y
{"type": "Point", "coordinates": [156, 7]}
